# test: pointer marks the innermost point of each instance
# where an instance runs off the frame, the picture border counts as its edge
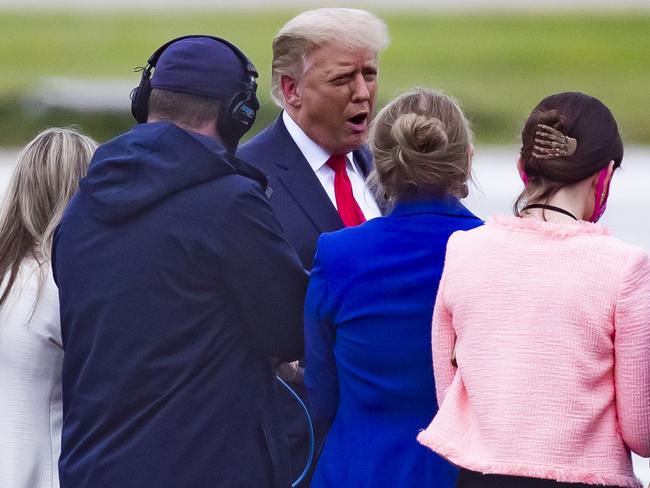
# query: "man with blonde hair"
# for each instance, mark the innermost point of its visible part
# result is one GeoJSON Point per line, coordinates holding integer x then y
{"type": "Point", "coordinates": [324, 77]}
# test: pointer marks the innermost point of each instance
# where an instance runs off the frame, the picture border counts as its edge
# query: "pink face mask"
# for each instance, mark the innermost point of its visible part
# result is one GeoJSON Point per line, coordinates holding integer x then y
{"type": "Point", "coordinates": [523, 176]}
{"type": "Point", "coordinates": [599, 209]}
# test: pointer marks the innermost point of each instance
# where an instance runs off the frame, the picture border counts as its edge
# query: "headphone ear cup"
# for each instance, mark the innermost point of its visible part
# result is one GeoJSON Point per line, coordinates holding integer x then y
{"type": "Point", "coordinates": [134, 101]}
{"type": "Point", "coordinates": [244, 113]}
{"type": "Point", "coordinates": [237, 116]}
{"type": "Point", "coordinates": [140, 100]}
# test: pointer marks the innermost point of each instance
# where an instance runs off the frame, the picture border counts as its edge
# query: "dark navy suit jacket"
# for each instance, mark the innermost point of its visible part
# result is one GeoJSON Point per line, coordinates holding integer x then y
{"type": "Point", "coordinates": [369, 370]}
{"type": "Point", "coordinates": [305, 211]}
{"type": "Point", "coordinates": [299, 200]}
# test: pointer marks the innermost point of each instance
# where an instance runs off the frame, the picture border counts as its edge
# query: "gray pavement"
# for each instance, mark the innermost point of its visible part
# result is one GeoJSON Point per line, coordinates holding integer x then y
{"type": "Point", "coordinates": [100, 95]}
{"type": "Point", "coordinates": [497, 185]}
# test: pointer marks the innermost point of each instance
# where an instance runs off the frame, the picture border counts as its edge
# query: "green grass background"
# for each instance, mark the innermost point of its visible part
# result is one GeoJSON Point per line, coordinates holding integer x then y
{"type": "Point", "coordinates": [499, 65]}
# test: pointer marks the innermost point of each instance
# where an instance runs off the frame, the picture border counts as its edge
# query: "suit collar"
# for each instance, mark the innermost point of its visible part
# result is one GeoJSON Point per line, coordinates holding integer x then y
{"type": "Point", "coordinates": [315, 155]}
{"type": "Point", "coordinates": [441, 206]}
{"type": "Point", "coordinates": [363, 157]}
{"type": "Point", "coordinates": [300, 181]}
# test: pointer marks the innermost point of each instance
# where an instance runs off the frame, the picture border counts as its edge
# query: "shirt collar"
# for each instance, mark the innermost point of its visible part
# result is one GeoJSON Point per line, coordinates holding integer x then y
{"type": "Point", "coordinates": [315, 155]}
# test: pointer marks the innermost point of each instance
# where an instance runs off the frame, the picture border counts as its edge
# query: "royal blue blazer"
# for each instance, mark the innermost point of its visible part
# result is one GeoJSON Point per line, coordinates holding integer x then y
{"type": "Point", "coordinates": [369, 372]}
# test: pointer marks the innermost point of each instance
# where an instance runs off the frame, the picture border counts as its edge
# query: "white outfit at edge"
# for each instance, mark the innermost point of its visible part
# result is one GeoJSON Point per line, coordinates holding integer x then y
{"type": "Point", "coordinates": [31, 356]}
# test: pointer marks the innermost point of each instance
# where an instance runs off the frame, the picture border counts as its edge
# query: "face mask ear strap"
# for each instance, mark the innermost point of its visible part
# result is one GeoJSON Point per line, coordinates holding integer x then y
{"type": "Point", "coordinates": [599, 203]}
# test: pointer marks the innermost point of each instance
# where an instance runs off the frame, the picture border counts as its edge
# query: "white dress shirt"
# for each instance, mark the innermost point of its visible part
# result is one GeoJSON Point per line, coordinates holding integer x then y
{"type": "Point", "coordinates": [31, 358]}
{"type": "Point", "coordinates": [317, 158]}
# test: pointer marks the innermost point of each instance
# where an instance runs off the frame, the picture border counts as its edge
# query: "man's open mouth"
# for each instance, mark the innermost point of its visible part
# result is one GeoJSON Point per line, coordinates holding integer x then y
{"type": "Point", "coordinates": [359, 122]}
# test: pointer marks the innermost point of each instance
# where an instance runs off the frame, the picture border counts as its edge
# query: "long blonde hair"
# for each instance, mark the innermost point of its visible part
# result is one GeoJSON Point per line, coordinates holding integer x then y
{"type": "Point", "coordinates": [46, 176]}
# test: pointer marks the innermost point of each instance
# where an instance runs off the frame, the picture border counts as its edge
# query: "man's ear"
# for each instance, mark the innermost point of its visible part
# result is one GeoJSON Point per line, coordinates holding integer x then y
{"type": "Point", "coordinates": [290, 91]}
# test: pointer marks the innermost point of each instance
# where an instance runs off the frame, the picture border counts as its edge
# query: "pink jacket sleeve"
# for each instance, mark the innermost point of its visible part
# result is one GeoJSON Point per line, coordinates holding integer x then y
{"type": "Point", "coordinates": [632, 354]}
{"type": "Point", "coordinates": [442, 338]}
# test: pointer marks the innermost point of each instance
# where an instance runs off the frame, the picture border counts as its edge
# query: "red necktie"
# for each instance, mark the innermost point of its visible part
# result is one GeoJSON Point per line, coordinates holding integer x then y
{"type": "Point", "coordinates": [347, 206]}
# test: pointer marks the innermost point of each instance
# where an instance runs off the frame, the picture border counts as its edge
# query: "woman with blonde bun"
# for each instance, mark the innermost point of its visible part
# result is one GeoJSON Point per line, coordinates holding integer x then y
{"type": "Point", "coordinates": [45, 178]}
{"type": "Point", "coordinates": [548, 319]}
{"type": "Point", "coordinates": [368, 310]}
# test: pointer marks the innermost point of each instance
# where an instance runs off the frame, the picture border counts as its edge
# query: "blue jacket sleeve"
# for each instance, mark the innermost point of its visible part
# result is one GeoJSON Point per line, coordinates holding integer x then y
{"type": "Point", "coordinates": [320, 367]}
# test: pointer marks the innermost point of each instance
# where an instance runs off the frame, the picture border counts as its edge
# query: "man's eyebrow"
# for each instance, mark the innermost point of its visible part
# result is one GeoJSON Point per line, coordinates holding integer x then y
{"type": "Point", "coordinates": [342, 71]}
{"type": "Point", "coordinates": [338, 71]}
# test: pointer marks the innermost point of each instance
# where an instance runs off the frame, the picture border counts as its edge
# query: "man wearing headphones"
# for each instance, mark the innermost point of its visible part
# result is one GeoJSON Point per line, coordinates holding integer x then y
{"type": "Point", "coordinates": [168, 261]}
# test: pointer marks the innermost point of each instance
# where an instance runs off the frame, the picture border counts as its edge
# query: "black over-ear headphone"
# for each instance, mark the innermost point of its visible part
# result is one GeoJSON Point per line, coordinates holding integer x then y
{"type": "Point", "coordinates": [237, 112]}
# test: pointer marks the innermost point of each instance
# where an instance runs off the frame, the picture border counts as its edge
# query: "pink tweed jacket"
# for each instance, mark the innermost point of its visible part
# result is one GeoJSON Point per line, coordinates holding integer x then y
{"type": "Point", "coordinates": [551, 326]}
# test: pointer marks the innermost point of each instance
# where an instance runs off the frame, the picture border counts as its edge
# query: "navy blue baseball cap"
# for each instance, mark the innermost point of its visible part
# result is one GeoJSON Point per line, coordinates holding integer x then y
{"type": "Point", "coordinates": [199, 66]}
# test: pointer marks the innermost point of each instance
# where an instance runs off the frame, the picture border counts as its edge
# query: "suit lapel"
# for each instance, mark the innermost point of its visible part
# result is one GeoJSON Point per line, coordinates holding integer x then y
{"type": "Point", "coordinates": [363, 157]}
{"type": "Point", "coordinates": [302, 184]}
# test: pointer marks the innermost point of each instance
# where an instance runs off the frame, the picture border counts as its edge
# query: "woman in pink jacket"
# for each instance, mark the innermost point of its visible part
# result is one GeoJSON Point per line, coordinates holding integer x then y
{"type": "Point", "coordinates": [541, 329]}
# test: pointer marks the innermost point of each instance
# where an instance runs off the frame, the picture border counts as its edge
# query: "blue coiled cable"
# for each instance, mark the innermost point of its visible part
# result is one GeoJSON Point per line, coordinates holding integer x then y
{"type": "Point", "coordinates": [310, 425]}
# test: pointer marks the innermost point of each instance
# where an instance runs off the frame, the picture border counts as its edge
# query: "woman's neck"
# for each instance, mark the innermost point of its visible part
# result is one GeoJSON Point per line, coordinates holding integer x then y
{"type": "Point", "coordinates": [570, 199]}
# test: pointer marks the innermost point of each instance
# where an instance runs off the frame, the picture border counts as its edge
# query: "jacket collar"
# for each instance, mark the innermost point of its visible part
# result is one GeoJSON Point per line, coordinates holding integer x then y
{"type": "Point", "coordinates": [293, 154]}
{"type": "Point", "coordinates": [442, 206]}
{"type": "Point", "coordinates": [315, 155]}
{"type": "Point", "coordinates": [300, 181]}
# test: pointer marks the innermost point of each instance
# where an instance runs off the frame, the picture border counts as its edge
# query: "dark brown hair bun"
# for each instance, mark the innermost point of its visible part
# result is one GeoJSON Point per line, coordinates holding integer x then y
{"type": "Point", "coordinates": [581, 117]}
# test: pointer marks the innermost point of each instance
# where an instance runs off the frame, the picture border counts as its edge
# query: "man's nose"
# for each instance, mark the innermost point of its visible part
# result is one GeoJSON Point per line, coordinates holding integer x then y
{"type": "Point", "coordinates": [360, 90]}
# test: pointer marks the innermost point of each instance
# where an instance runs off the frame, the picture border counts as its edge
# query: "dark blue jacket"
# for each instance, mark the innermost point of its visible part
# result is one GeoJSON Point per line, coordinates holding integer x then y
{"type": "Point", "coordinates": [168, 264]}
{"type": "Point", "coordinates": [369, 371]}
{"type": "Point", "coordinates": [299, 200]}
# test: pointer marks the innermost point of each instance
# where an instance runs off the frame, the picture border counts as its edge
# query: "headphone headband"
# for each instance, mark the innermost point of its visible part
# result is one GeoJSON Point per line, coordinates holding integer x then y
{"type": "Point", "coordinates": [248, 66]}
{"type": "Point", "coordinates": [238, 111]}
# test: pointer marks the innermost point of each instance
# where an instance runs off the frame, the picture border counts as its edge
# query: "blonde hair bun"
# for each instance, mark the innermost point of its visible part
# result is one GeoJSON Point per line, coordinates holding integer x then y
{"type": "Point", "coordinates": [419, 135]}
{"type": "Point", "coordinates": [421, 144]}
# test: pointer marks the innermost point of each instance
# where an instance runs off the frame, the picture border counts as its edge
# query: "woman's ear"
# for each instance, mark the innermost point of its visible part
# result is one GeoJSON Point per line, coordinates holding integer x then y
{"type": "Point", "coordinates": [522, 173]}
{"type": "Point", "coordinates": [606, 182]}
